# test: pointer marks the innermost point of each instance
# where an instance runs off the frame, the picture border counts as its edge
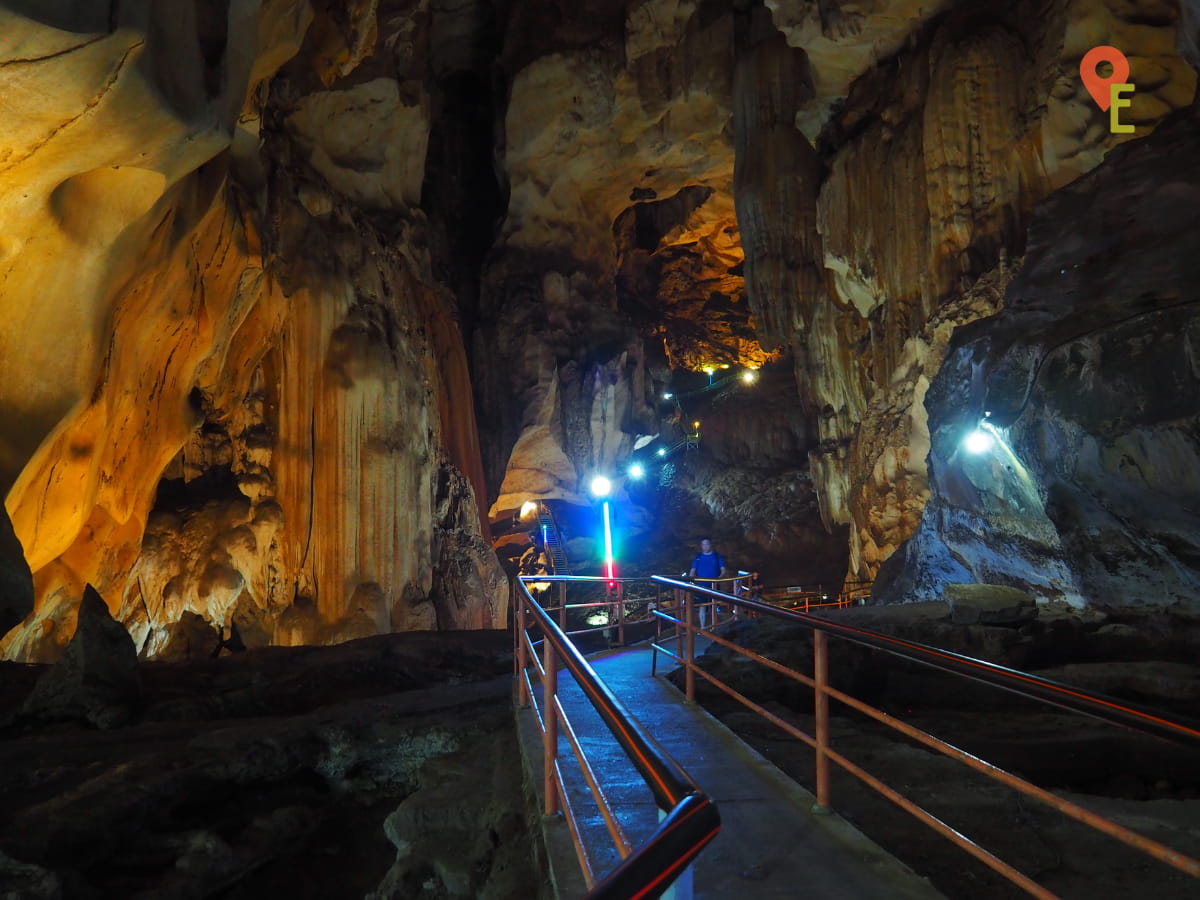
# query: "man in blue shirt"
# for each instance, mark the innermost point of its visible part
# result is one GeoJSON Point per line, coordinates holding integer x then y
{"type": "Point", "coordinates": [707, 564]}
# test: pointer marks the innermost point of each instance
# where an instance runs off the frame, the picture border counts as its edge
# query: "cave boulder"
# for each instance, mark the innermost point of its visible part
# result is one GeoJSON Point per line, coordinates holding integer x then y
{"type": "Point", "coordinates": [97, 681]}
{"type": "Point", "coordinates": [16, 581]}
{"type": "Point", "coordinates": [989, 604]}
{"type": "Point", "coordinates": [191, 638]}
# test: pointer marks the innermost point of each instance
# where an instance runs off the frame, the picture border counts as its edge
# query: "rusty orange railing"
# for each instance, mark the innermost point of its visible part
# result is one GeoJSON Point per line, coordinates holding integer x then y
{"type": "Point", "coordinates": [689, 820]}
{"type": "Point", "coordinates": [1031, 686]}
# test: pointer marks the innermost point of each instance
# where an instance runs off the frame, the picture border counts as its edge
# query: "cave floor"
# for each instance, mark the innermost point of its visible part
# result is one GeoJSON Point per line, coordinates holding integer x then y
{"type": "Point", "coordinates": [277, 772]}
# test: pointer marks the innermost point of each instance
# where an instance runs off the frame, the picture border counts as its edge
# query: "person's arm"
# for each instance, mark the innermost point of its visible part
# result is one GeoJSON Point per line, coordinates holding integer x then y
{"type": "Point", "coordinates": [692, 572]}
{"type": "Point", "coordinates": [722, 573]}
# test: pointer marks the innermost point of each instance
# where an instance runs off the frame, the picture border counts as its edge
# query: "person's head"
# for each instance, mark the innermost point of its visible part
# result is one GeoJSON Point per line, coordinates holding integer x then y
{"type": "Point", "coordinates": [706, 546]}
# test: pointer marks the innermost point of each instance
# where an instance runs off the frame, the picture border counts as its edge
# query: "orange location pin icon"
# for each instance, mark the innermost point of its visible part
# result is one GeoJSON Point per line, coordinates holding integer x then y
{"type": "Point", "coordinates": [1097, 86]}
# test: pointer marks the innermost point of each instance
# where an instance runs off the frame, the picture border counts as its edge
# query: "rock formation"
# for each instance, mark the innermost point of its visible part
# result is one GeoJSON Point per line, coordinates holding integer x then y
{"type": "Point", "coordinates": [239, 396]}
{"type": "Point", "coordinates": [97, 681]}
{"type": "Point", "coordinates": [293, 295]}
{"type": "Point", "coordinates": [1088, 380]}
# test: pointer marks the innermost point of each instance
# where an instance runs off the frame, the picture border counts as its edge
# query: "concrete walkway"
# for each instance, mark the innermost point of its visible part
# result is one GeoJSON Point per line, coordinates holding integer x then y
{"type": "Point", "coordinates": [771, 844]}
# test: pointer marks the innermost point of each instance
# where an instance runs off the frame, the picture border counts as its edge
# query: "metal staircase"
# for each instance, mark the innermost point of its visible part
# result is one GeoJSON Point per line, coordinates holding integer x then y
{"type": "Point", "coordinates": [556, 554]}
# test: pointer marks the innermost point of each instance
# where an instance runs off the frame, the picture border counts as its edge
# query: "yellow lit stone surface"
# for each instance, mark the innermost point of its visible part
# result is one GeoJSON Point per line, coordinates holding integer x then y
{"type": "Point", "coordinates": [157, 324]}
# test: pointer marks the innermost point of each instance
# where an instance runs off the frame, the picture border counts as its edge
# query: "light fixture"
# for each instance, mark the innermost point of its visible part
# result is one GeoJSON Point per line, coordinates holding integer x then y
{"type": "Point", "coordinates": [696, 424]}
{"type": "Point", "coordinates": [708, 370]}
{"type": "Point", "coordinates": [609, 558]}
{"type": "Point", "coordinates": [662, 451]}
{"type": "Point", "coordinates": [724, 365]}
{"type": "Point", "coordinates": [528, 508]}
{"type": "Point", "coordinates": [749, 376]}
{"type": "Point", "coordinates": [668, 395]}
{"type": "Point", "coordinates": [978, 441]}
{"type": "Point", "coordinates": [636, 470]}
{"type": "Point", "coordinates": [600, 486]}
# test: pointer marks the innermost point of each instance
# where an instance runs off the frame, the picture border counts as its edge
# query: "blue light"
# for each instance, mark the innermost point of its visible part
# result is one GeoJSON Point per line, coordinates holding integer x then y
{"type": "Point", "coordinates": [636, 471]}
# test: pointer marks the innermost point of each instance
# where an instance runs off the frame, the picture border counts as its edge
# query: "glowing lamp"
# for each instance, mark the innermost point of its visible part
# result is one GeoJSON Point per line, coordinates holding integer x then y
{"type": "Point", "coordinates": [978, 441]}
{"type": "Point", "coordinates": [636, 471]}
{"type": "Point", "coordinates": [600, 486]}
{"type": "Point", "coordinates": [668, 395]}
{"type": "Point", "coordinates": [609, 556]}
{"type": "Point", "coordinates": [696, 424]}
{"type": "Point", "coordinates": [528, 508]}
{"type": "Point", "coordinates": [662, 451]}
{"type": "Point", "coordinates": [708, 370]}
{"type": "Point", "coordinates": [749, 376]}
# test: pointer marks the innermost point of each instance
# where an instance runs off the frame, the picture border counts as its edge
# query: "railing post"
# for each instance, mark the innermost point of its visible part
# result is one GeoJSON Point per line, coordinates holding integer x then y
{"type": "Point", "coordinates": [550, 734]}
{"type": "Point", "coordinates": [690, 653]}
{"type": "Point", "coordinates": [562, 605]}
{"type": "Point", "coordinates": [522, 651]}
{"type": "Point", "coordinates": [621, 613]}
{"type": "Point", "coordinates": [821, 714]}
{"type": "Point", "coordinates": [678, 613]}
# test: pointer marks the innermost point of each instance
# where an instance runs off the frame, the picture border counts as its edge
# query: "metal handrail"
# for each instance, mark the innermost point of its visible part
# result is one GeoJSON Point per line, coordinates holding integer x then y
{"type": "Point", "coordinates": [1034, 687]}
{"type": "Point", "coordinates": [690, 818]}
{"type": "Point", "coordinates": [1031, 686]}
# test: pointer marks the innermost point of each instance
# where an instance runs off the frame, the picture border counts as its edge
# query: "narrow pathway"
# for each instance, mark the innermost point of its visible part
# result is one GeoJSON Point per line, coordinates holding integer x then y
{"type": "Point", "coordinates": [771, 844]}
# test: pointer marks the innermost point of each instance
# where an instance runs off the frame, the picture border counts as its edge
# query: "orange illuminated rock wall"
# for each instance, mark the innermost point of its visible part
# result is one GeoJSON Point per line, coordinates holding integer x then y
{"type": "Point", "coordinates": [224, 387]}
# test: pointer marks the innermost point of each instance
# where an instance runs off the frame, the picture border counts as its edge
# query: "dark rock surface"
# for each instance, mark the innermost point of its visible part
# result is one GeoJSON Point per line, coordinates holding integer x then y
{"type": "Point", "coordinates": [97, 681]}
{"type": "Point", "coordinates": [272, 773]}
{"type": "Point", "coordinates": [191, 638]}
{"type": "Point", "coordinates": [989, 604]}
{"type": "Point", "coordinates": [16, 581]}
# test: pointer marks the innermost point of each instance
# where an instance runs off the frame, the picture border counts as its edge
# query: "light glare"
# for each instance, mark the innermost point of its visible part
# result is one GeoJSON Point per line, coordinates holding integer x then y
{"type": "Point", "coordinates": [528, 508]}
{"type": "Point", "coordinates": [601, 486]}
{"type": "Point", "coordinates": [979, 441]}
{"type": "Point", "coordinates": [636, 471]}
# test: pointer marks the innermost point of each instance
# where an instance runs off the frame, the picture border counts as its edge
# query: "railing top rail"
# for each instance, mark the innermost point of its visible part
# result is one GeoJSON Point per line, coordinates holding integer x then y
{"type": "Point", "coordinates": [1034, 687]}
{"type": "Point", "coordinates": [596, 578]}
{"type": "Point", "coordinates": [669, 783]}
{"type": "Point", "coordinates": [691, 819]}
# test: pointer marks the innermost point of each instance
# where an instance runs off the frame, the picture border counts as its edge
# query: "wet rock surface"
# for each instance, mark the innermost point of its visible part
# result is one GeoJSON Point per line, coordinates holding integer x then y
{"type": "Point", "coordinates": [273, 773]}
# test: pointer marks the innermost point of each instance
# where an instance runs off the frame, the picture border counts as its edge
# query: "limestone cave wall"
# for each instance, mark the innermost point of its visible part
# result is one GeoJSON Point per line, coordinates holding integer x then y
{"type": "Point", "coordinates": [232, 384]}
{"type": "Point", "coordinates": [929, 172]}
{"type": "Point", "coordinates": [296, 294]}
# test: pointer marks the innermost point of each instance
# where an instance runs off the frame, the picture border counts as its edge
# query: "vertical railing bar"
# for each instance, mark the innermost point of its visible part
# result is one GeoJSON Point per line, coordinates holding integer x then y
{"type": "Point", "coordinates": [550, 734]}
{"type": "Point", "coordinates": [522, 639]}
{"type": "Point", "coordinates": [821, 713]}
{"type": "Point", "coordinates": [690, 640]}
{"type": "Point", "coordinates": [581, 851]}
{"type": "Point", "coordinates": [620, 839]}
{"type": "Point", "coordinates": [621, 613]}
